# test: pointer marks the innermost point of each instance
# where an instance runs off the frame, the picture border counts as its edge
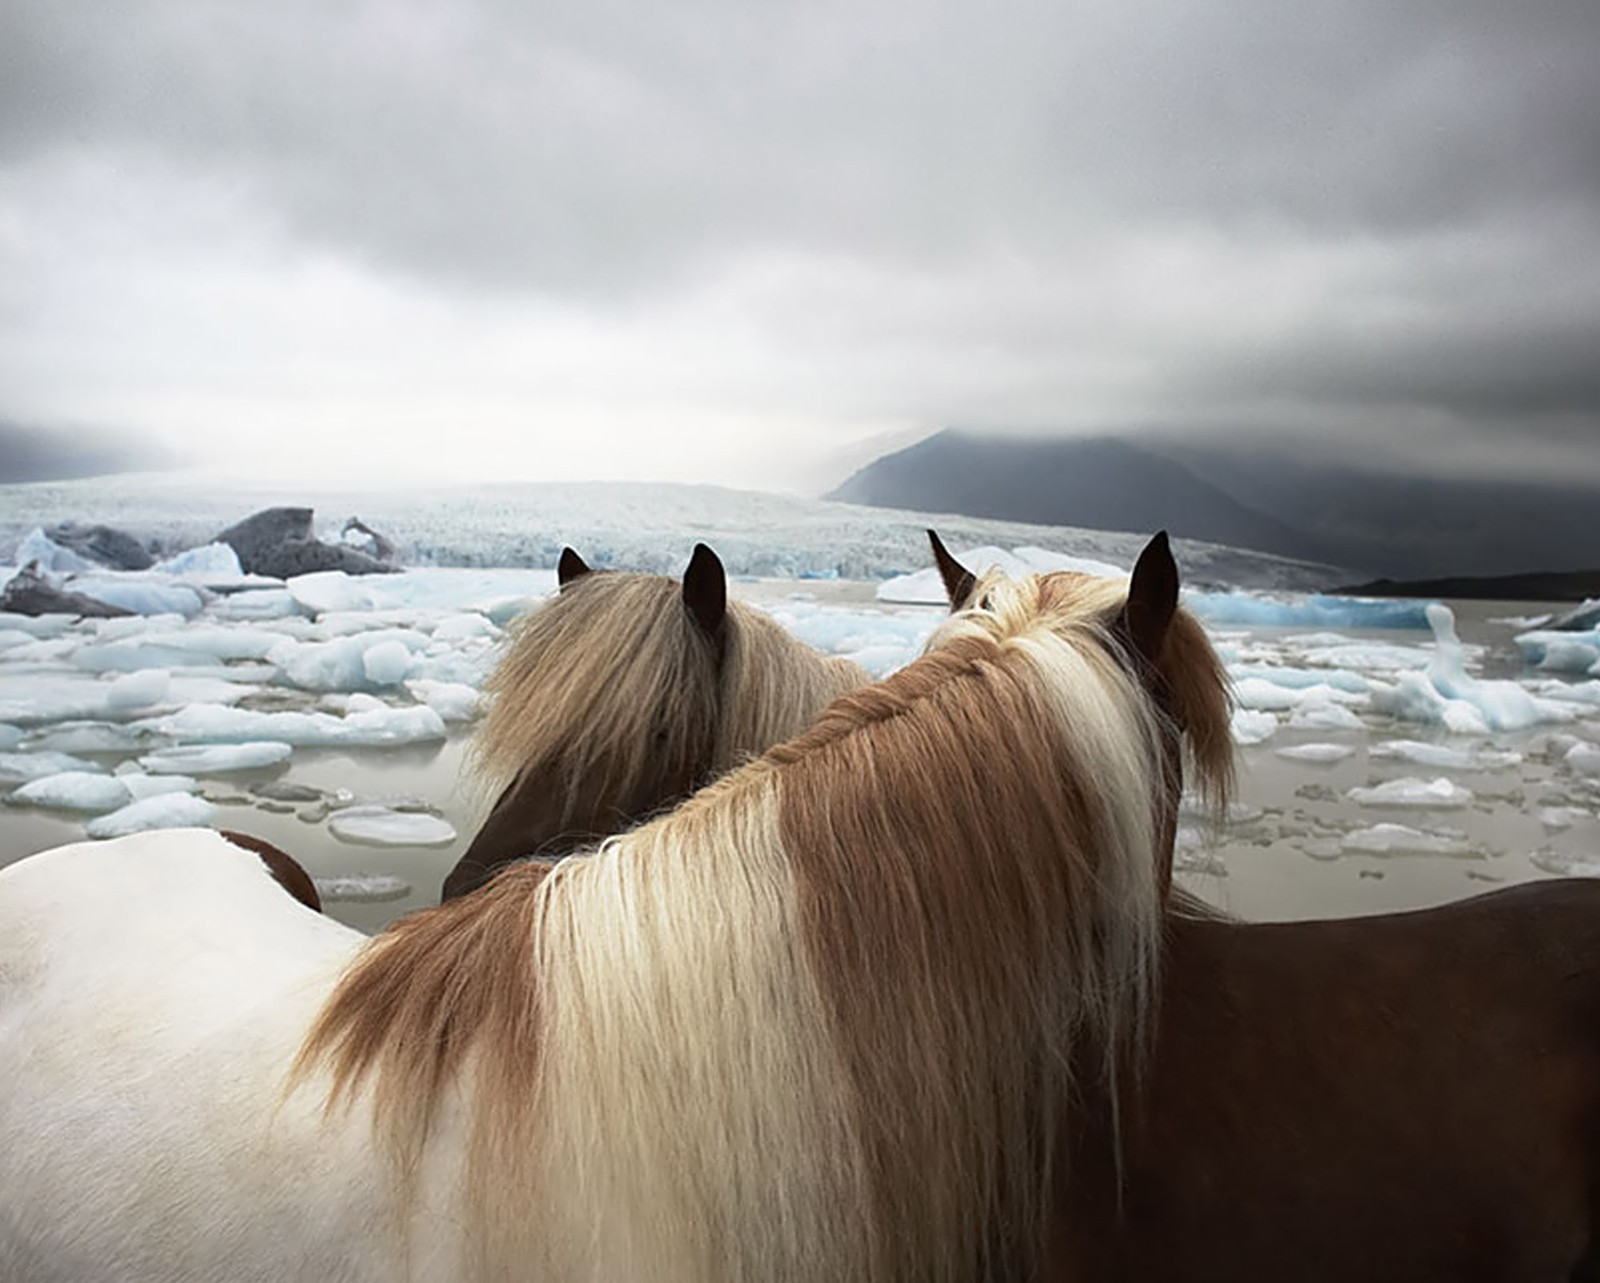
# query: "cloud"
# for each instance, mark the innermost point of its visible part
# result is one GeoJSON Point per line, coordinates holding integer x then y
{"type": "Point", "coordinates": [862, 215]}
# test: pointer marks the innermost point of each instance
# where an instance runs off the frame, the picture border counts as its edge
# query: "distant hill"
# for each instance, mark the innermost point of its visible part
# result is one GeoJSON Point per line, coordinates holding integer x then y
{"type": "Point", "coordinates": [59, 454]}
{"type": "Point", "coordinates": [1376, 524]}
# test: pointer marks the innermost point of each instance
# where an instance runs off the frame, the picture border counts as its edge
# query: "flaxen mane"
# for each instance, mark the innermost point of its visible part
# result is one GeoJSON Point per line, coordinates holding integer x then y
{"type": "Point", "coordinates": [824, 1021]}
{"type": "Point", "coordinates": [613, 676]}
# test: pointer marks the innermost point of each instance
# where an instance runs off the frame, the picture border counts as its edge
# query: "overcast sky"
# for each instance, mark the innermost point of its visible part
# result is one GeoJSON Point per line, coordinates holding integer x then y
{"type": "Point", "coordinates": [757, 243]}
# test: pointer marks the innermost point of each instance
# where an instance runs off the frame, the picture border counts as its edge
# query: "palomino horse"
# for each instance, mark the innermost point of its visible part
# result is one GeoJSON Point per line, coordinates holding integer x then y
{"type": "Point", "coordinates": [842, 1016]}
{"type": "Point", "coordinates": [1405, 1096]}
{"type": "Point", "coordinates": [621, 697]}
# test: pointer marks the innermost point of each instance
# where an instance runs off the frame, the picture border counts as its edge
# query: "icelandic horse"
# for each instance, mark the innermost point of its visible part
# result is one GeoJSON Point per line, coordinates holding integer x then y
{"type": "Point", "coordinates": [1409, 1096]}
{"type": "Point", "coordinates": [842, 1017]}
{"type": "Point", "coordinates": [620, 697]}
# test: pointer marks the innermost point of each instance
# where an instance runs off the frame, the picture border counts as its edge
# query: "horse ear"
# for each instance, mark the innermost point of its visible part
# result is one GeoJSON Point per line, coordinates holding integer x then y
{"type": "Point", "coordinates": [705, 590]}
{"type": "Point", "coordinates": [959, 582]}
{"type": "Point", "coordinates": [570, 567]}
{"type": "Point", "coordinates": [1152, 599]}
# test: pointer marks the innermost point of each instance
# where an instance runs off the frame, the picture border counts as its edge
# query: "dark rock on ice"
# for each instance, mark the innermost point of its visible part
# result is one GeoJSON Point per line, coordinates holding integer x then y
{"type": "Point", "coordinates": [280, 542]}
{"type": "Point", "coordinates": [106, 545]}
{"type": "Point", "coordinates": [30, 593]}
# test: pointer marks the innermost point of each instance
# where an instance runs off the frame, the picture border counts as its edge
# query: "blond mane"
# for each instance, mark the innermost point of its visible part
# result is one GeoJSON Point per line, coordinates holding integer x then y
{"type": "Point", "coordinates": [613, 674]}
{"type": "Point", "coordinates": [827, 1020]}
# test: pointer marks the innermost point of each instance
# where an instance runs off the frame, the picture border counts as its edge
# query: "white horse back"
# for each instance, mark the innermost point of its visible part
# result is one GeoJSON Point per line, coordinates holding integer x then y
{"type": "Point", "coordinates": [153, 992]}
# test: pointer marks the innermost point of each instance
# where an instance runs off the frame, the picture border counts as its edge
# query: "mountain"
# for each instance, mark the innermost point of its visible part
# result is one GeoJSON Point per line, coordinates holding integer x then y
{"type": "Point", "coordinates": [1102, 484]}
{"type": "Point", "coordinates": [1377, 524]}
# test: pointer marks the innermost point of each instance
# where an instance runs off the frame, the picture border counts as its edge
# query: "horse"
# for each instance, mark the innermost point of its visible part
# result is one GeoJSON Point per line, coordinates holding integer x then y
{"type": "Point", "coordinates": [286, 871]}
{"type": "Point", "coordinates": [1327, 1100]}
{"type": "Point", "coordinates": [620, 696]}
{"type": "Point", "coordinates": [843, 1015]}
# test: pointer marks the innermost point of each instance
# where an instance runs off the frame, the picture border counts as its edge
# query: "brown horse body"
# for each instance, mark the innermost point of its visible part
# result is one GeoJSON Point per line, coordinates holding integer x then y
{"type": "Point", "coordinates": [1411, 1097]}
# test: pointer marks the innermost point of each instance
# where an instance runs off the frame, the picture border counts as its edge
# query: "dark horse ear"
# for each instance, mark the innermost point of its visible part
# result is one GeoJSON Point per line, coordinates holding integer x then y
{"type": "Point", "coordinates": [959, 582]}
{"type": "Point", "coordinates": [705, 591]}
{"type": "Point", "coordinates": [570, 567]}
{"type": "Point", "coordinates": [1152, 599]}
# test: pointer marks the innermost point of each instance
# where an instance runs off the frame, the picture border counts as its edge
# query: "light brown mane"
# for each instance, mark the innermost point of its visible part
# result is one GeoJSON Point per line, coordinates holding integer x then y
{"type": "Point", "coordinates": [613, 674]}
{"type": "Point", "coordinates": [824, 1021]}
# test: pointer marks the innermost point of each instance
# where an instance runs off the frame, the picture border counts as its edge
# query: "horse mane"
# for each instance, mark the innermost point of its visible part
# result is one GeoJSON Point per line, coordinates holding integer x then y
{"type": "Point", "coordinates": [824, 1021]}
{"type": "Point", "coordinates": [613, 674]}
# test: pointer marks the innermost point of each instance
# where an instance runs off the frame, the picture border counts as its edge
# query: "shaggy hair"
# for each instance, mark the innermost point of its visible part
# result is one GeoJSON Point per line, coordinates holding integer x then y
{"type": "Point", "coordinates": [828, 1019]}
{"type": "Point", "coordinates": [613, 677]}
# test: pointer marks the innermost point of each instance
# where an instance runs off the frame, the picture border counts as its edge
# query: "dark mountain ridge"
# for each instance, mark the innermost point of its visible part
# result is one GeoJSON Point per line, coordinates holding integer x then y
{"type": "Point", "coordinates": [1377, 524]}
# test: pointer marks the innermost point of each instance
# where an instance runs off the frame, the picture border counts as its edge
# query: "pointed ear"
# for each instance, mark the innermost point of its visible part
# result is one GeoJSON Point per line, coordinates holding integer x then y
{"type": "Point", "coordinates": [1152, 599]}
{"type": "Point", "coordinates": [570, 567]}
{"type": "Point", "coordinates": [705, 591]}
{"type": "Point", "coordinates": [959, 582]}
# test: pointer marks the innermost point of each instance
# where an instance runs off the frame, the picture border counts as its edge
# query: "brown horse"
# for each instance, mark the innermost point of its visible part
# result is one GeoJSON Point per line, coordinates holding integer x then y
{"type": "Point", "coordinates": [1410, 1096]}
{"type": "Point", "coordinates": [623, 695]}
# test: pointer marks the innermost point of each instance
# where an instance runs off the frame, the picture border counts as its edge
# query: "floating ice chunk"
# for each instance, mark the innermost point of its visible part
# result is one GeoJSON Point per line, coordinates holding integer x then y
{"type": "Point", "coordinates": [216, 724]}
{"type": "Point", "coordinates": [1399, 839]}
{"type": "Point", "coordinates": [329, 590]}
{"type": "Point", "coordinates": [1556, 818]}
{"type": "Point", "coordinates": [140, 593]}
{"type": "Point", "coordinates": [1320, 753]}
{"type": "Point", "coordinates": [168, 811]}
{"type": "Point", "coordinates": [18, 768]}
{"type": "Point", "coordinates": [141, 786]}
{"type": "Point", "coordinates": [1565, 864]}
{"type": "Point", "coordinates": [1257, 692]}
{"type": "Point", "coordinates": [205, 644]}
{"type": "Point", "coordinates": [361, 888]}
{"type": "Point", "coordinates": [216, 759]}
{"type": "Point", "coordinates": [1315, 611]}
{"type": "Point", "coordinates": [341, 664]}
{"type": "Point", "coordinates": [1440, 755]}
{"type": "Point", "coordinates": [51, 556]}
{"type": "Point", "coordinates": [1252, 727]}
{"type": "Point", "coordinates": [453, 701]}
{"type": "Point", "coordinates": [138, 690]}
{"type": "Point", "coordinates": [386, 664]}
{"type": "Point", "coordinates": [1438, 794]}
{"type": "Point", "coordinates": [381, 826]}
{"type": "Point", "coordinates": [880, 641]}
{"type": "Point", "coordinates": [1366, 657]}
{"type": "Point", "coordinates": [257, 604]}
{"type": "Point", "coordinates": [75, 791]}
{"type": "Point", "coordinates": [1584, 759]}
{"type": "Point", "coordinates": [458, 628]}
{"type": "Point", "coordinates": [1501, 705]}
{"type": "Point", "coordinates": [1324, 717]}
{"type": "Point", "coordinates": [1584, 616]}
{"type": "Point", "coordinates": [1302, 679]}
{"type": "Point", "coordinates": [209, 561]}
{"type": "Point", "coordinates": [1560, 652]}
